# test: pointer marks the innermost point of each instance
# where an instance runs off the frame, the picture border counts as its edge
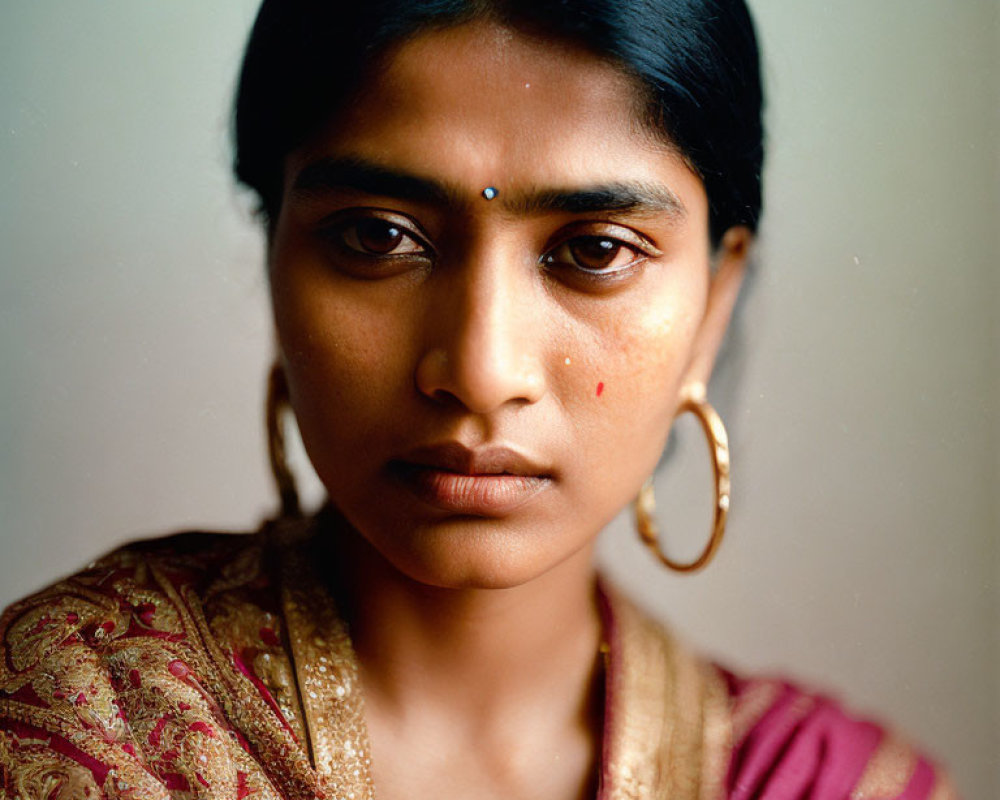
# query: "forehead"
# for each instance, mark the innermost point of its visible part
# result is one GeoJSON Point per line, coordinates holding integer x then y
{"type": "Point", "coordinates": [482, 105]}
{"type": "Point", "coordinates": [483, 65]}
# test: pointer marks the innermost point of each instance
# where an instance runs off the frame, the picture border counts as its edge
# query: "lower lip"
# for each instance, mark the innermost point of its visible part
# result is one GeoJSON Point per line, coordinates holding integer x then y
{"type": "Point", "coordinates": [475, 495]}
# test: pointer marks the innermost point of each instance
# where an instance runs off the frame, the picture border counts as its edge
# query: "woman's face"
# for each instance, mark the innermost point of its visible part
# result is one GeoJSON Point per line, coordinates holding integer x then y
{"type": "Point", "coordinates": [482, 384]}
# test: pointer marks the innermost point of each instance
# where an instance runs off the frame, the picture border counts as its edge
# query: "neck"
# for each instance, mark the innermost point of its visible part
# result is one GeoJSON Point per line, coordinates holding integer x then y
{"type": "Point", "coordinates": [486, 650]}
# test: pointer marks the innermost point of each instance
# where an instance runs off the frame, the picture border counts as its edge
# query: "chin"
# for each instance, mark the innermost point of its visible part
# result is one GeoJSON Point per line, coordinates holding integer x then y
{"type": "Point", "coordinates": [473, 553]}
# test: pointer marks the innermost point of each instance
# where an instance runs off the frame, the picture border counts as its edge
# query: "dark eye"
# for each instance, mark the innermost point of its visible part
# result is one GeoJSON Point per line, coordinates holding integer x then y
{"type": "Point", "coordinates": [598, 254]}
{"type": "Point", "coordinates": [379, 237]}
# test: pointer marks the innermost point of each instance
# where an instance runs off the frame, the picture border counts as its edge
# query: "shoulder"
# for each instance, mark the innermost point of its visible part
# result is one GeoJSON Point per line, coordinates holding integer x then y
{"type": "Point", "coordinates": [138, 585]}
{"type": "Point", "coordinates": [105, 674]}
{"type": "Point", "coordinates": [758, 737]}
{"type": "Point", "coordinates": [790, 741]}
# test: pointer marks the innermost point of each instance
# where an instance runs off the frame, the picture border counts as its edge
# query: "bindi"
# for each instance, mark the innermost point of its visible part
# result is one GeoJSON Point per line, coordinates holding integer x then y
{"type": "Point", "coordinates": [490, 192]}
{"type": "Point", "coordinates": [600, 388]}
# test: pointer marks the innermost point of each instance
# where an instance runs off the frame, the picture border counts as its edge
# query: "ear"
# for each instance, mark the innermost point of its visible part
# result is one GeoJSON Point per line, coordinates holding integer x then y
{"type": "Point", "coordinates": [730, 265]}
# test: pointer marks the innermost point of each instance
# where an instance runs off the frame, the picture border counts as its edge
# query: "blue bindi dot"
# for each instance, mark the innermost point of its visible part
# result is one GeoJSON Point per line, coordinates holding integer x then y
{"type": "Point", "coordinates": [490, 192]}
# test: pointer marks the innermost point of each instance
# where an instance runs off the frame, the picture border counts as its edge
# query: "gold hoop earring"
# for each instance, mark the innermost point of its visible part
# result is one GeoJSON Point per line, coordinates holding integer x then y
{"type": "Point", "coordinates": [645, 503]}
{"type": "Point", "coordinates": [277, 406]}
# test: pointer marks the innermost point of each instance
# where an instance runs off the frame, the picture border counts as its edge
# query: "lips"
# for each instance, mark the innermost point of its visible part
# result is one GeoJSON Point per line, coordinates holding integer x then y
{"type": "Point", "coordinates": [483, 481]}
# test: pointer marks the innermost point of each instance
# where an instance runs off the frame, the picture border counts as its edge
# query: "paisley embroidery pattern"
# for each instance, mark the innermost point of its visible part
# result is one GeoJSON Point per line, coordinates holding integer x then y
{"type": "Point", "coordinates": [160, 672]}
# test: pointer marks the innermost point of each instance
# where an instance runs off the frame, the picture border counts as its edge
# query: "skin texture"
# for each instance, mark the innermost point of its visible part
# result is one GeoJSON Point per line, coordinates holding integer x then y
{"type": "Point", "coordinates": [477, 632]}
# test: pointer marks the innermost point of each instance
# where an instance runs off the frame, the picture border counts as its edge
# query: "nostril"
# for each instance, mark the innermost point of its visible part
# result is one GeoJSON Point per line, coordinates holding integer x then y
{"type": "Point", "coordinates": [445, 398]}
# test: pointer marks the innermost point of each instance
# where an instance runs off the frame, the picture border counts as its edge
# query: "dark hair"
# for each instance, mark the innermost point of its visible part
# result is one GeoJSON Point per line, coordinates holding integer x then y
{"type": "Point", "coordinates": [697, 61]}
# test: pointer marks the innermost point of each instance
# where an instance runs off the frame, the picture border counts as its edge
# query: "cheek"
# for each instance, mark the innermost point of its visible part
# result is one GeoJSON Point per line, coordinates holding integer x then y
{"type": "Point", "coordinates": [642, 361]}
{"type": "Point", "coordinates": [344, 355]}
{"type": "Point", "coordinates": [628, 388]}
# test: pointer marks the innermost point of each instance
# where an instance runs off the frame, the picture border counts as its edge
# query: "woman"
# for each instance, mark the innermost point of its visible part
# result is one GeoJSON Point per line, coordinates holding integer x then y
{"type": "Point", "coordinates": [504, 245]}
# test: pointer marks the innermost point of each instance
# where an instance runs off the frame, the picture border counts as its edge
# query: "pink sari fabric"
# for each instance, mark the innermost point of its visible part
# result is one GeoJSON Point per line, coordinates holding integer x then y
{"type": "Point", "coordinates": [677, 726]}
{"type": "Point", "coordinates": [789, 744]}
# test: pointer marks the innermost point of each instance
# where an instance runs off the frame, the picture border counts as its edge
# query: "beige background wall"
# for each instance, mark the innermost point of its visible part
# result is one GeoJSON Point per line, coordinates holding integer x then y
{"type": "Point", "coordinates": [861, 391]}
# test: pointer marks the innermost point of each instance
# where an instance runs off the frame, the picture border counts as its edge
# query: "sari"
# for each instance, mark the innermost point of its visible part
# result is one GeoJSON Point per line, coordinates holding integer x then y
{"type": "Point", "coordinates": [216, 666]}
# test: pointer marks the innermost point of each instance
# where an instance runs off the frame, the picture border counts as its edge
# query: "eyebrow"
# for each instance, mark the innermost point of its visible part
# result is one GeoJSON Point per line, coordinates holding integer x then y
{"type": "Point", "coordinates": [333, 174]}
{"type": "Point", "coordinates": [640, 198]}
{"type": "Point", "coordinates": [336, 174]}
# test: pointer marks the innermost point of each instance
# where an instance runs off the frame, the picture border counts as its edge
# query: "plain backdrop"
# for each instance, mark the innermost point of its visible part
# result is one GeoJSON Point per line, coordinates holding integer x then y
{"type": "Point", "coordinates": [861, 387]}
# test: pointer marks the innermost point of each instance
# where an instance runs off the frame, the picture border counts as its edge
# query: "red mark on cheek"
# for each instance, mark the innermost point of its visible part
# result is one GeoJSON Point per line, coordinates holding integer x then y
{"type": "Point", "coordinates": [600, 389]}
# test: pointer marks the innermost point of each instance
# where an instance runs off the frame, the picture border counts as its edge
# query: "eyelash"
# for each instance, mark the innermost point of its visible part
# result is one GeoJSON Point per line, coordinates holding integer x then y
{"type": "Point", "coordinates": [612, 246]}
{"type": "Point", "coordinates": [348, 235]}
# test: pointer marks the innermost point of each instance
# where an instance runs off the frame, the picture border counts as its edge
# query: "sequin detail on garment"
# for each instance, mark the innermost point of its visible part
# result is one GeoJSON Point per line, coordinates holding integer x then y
{"type": "Point", "coordinates": [329, 682]}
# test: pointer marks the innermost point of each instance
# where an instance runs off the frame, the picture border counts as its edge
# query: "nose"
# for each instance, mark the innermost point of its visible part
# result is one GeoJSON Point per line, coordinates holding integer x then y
{"type": "Point", "coordinates": [484, 347]}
